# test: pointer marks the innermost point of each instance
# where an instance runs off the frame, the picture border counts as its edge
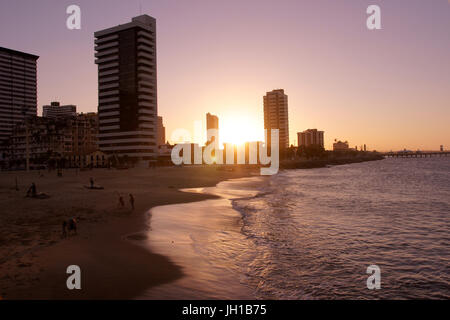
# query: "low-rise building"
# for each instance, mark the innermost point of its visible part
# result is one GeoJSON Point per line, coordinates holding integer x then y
{"type": "Point", "coordinates": [340, 146]}
{"type": "Point", "coordinates": [64, 142]}
{"type": "Point", "coordinates": [310, 137]}
{"type": "Point", "coordinates": [57, 111]}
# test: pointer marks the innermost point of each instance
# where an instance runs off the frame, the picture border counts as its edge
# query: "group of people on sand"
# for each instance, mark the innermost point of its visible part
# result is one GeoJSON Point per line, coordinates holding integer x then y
{"type": "Point", "coordinates": [122, 202]}
{"type": "Point", "coordinates": [69, 226]}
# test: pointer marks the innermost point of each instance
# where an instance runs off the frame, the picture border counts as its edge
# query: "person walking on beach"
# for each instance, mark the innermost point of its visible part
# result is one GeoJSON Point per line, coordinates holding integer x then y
{"type": "Point", "coordinates": [121, 202]}
{"type": "Point", "coordinates": [132, 201]}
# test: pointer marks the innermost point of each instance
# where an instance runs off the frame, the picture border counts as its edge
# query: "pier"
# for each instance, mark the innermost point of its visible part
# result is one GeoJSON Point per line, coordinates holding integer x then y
{"type": "Point", "coordinates": [416, 154]}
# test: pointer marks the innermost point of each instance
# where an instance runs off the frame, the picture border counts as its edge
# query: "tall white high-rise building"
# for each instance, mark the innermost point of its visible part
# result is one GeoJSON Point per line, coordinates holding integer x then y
{"type": "Point", "coordinates": [127, 101]}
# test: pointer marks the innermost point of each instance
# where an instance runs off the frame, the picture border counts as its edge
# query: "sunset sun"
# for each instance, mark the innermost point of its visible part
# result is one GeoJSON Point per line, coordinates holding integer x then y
{"type": "Point", "coordinates": [239, 129]}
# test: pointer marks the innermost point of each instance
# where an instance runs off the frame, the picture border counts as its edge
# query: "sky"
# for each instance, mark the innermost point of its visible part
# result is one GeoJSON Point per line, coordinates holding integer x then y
{"type": "Point", "coordinates": [388, 88]}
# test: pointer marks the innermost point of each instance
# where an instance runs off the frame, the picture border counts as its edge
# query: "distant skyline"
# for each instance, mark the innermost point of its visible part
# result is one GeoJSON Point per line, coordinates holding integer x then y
{"type": "Point", "coordinates": [388, 89]}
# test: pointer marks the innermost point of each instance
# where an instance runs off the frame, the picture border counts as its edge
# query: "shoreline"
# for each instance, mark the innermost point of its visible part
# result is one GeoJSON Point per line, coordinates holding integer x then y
{"type": "Point", "coordinates": [322, 163]}
{"type": "Point", "coordinates": [202, 237]}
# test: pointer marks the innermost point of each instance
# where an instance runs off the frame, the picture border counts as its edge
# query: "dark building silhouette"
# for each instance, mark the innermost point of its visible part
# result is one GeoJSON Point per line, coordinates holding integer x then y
{"type": "Point", "coordinates": [341, 146]}
{"type": "Point", "coordinates": [72, 141]}
{"type": "Point", "coordinates": [127, 110]}
{"type": "Point", "coordinates": [18, 89]}
{"type": "Point", "coordinates": [161, 132]}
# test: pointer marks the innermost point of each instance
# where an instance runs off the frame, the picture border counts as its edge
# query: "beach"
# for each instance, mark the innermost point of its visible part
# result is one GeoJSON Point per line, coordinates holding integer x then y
{"type": "Point", "coordinates": [34, 256]}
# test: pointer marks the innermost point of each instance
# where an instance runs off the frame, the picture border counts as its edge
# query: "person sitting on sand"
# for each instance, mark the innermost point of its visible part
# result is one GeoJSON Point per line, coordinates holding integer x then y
{"type": "Point", "coordinates": [32, 190]}
{"type": "Point", "coordinates": [132, 201]}
{"type": "Point", "coordinates": [121, 202]}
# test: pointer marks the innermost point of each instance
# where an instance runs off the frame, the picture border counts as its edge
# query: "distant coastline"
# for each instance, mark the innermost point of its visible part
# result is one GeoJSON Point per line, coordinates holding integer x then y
{"type": "Point", "coordinates": [322, 163]}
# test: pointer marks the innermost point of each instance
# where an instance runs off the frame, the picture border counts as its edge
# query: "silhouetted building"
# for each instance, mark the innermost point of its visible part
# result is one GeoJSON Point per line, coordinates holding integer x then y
{"type": "Point", "coordinates": [126, 59]}
{"type": "Point", "coordinates": [340, 146]}
{"type": "Point", "coordinates": [71, 141]}
{"type": "Point", "coordinates": [84, 133]}
{"type": "Point", "coordinates": [55, 110]}
{"type": "Point", "coordinates": [18, 89]}
{"type": "Point", "coordinates": [161, 132]}
{"type": "Point", "coordinates": [276, 116]}
{"type": "Point", "coordinates": [310, 137]}
{"type": "Point", "coordinates": [212, 122]}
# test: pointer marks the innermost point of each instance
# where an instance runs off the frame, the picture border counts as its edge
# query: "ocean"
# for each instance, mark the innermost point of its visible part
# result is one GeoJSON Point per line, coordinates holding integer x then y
{"type": "Point", "coordinates": [311, 234]}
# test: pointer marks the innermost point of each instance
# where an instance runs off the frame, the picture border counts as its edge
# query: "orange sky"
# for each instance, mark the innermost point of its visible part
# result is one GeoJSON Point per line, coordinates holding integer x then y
{"type": "Point", "coordinates": [389, 88]}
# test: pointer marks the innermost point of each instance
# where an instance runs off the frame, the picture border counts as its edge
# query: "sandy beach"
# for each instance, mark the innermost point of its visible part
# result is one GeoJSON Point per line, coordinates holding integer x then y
{"type": "Point", "coordinates": [34, 256]}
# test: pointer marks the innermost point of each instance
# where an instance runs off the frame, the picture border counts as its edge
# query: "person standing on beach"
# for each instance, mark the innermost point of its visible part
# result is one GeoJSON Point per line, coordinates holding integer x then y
{"type": "Point", "coordinates": [132, 201]}
{"type": "Point", "coordinates": [91, 180]}
{"type": "Point", "coordinates": [121, 202]}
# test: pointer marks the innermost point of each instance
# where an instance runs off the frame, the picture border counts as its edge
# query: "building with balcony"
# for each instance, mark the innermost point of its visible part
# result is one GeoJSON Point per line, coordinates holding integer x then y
{"type": "Point", "coordinates": [18, 89]}
{"type": "Point", "coordinates": [71, 142]}
{"type": "Point", "coordinates": [310, 137]}
{"type": "Point", "coordinates": [127, 100]}
{"type": "Point", "coordinates": [55, 110]}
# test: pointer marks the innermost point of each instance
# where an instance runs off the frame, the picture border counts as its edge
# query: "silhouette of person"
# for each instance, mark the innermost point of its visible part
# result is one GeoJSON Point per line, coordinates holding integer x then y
{"type": "Point", "coordinates": [91, 180]}
{"type": "Point", "coordinates": [72, 225]}
{"type": "Point", "coordinates": [121, 202]}
{"type": "Point", "coordinates": [132, 201]}
{"type": "Point", "coordinates": [32, 190]}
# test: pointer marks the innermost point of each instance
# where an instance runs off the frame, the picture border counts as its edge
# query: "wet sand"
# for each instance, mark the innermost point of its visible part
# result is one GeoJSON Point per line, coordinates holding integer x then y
{"type": "Point", "coordinates": [204, 238]}
{"type": "Point", "coordinates": [34, 257]}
